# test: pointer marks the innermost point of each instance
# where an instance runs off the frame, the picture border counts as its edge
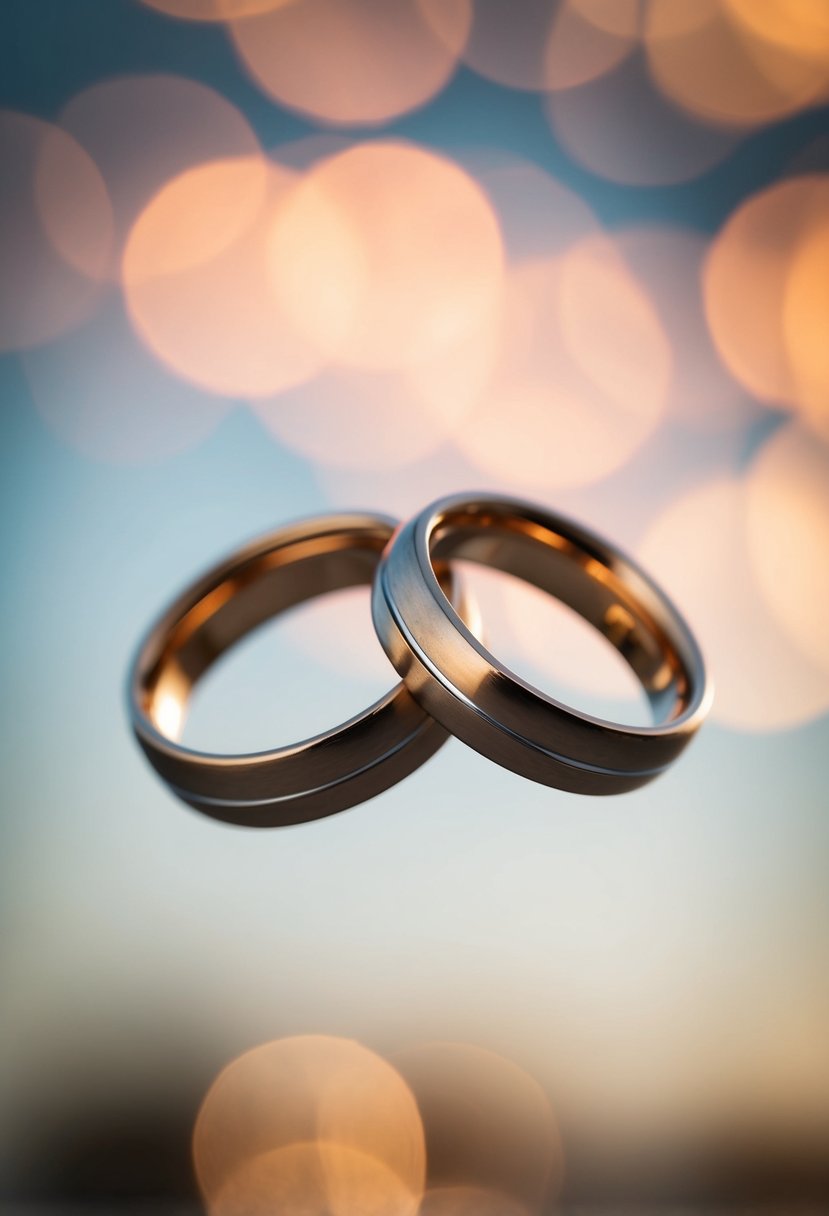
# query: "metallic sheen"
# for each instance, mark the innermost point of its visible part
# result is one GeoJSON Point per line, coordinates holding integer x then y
{"type": "Point", "coordinates": [453, 676]}
{"type": "Point", "coordinates": [294, 784]}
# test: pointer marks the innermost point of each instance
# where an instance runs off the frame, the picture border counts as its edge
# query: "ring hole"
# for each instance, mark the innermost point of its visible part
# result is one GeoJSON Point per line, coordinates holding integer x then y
{"type": "Point", "coordinates": [550, 646]}
{"type": "Point", "coordinates": [300, 674]}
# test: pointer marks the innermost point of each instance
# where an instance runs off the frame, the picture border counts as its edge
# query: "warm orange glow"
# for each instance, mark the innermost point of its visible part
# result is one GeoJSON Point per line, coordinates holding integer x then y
{"type": "Point", "coordinates": [801, 26]}
{"type": "Point", "coordinates": [806, 322]}
{"type": "Point", "coordinates": [488, 1123]}
{"type": "Point", "coordinates": [358, 1184]}
{"type": "Point", "coordinates": [189, 124]}
{"type": "Point", "coordinates": [178, 232]}
{"type": "Point", "coordinates": [215, 10]}
{"type": "Point", "coordinates": [745, 283]}
{"type": "Point", "coordinates": [318, 266]}
{"type": "Point", "coordinates": [581, 378]}
{"type": "Point", "coordinates": [99, 391]}
{"type": "Point", "coordinates": [398, 251]}
{"type": "Point", "coordinates": [289, 1181]}
{"type": "Point", "coordinates": [311, 1089]}
{"type": "Point", "coordinates": [788, 532]}
{"type": "Point", "coordinates": [168, 715]}
{"type": "Point", "coordinates": [351, 61]}
{"type": "Point", "coordinates": [197, 284]}
{"type": "Point", "coordinates": [698, 548]}
{"type": "Point", "coordinates": [620, 127]}
{"type": "Point", "coordinates": [721, 71]}
{"type": "Point", "coordinates": [55, 231]}
{"type": "Point", "coordinates": [389, 259]}
{"type": "Point", "coordinates": [668, 263]}
{"type": "Point", "coordinates": [587, 39]}
{"type": "Point", "coordinates": [314, 1179]}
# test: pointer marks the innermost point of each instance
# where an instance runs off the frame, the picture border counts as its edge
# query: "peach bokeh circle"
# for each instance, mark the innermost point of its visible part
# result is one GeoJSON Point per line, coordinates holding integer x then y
{"type": "Point", "coordinates": [350, 62]}
{"type": "Point", "coordinates": [311, 1089]}
{"type": "Point", "coordinates": [386, 255]}
{"type": "Point", "coordinates": [196, 280]}
{"type": "Point", "coordinates": [56, 231]}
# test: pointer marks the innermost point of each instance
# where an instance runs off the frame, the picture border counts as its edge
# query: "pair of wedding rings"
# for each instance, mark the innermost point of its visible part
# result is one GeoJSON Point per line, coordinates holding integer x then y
{"type": "Point", "coordinates": [451, 684]}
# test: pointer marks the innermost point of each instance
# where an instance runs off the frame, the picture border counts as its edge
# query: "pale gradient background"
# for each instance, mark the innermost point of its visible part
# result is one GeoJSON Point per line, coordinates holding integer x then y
{"type": "Point", "coordinates": [659, 961]}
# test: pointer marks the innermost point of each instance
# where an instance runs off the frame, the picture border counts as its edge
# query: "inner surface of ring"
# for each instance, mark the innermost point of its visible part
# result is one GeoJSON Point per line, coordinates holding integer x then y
{"type": "Point", "coordinates": [604, 590]}
{"type": "Point", "coordinates": [257, 590]}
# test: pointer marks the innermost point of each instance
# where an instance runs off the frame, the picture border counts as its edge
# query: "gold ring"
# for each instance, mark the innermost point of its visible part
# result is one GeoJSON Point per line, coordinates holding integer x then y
{"type": "Point", "coordinates": [311, 779]}
{"type": "Point", "coordinates": [455, 678]}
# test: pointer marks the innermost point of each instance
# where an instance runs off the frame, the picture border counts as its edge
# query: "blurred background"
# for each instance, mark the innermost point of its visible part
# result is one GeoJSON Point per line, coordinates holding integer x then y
{"type": "Point", "coordinates": [264, 258]}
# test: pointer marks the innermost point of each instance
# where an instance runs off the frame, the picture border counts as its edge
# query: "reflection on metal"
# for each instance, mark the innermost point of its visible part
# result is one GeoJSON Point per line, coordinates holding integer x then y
{"type": "Point", "coordinates": [468, 690]}
{"type": "Point", "coordinates": [309, 779]}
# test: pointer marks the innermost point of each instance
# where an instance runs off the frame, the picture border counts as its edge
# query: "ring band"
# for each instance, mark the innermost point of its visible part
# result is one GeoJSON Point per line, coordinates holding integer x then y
{"type": "Point", "coordinates": [315, 778]}
{"type": "Point", "coordinates": [454, 677]}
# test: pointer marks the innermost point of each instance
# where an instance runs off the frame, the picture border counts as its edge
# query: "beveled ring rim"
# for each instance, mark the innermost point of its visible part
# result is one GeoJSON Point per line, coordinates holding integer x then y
{"type": "Point", "coordinates": [317, 776]}
{"type": "Point", "coordinates": [453, 674]}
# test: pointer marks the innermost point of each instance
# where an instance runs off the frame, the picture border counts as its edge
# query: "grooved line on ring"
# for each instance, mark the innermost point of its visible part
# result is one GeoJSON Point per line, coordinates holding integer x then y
{"type": "Point", "coordinates": [241, 803]}
{"type": "Point", "coordinates": [422, 657]}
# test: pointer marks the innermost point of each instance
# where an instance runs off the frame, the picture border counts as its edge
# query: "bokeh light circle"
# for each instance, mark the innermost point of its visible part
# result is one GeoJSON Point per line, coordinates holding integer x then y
{"type": "Point", "coordinates": [745, 281]}
{"type": "Point", "coordinates": [488, 1123]}
{"type": "Point", "coordinates": [668, 264]}
{"type": "Point", "coordinates": [351, 61]}
{"type": "Point", "coordinates": [806, 323]}
{"type": "Point", "coordinates": [387, 255]}
{"type": "Point", "coordinates": [550, 44]}
{"type": "Point", "coordinates": [612, 330]}
{"type": "Point", "coordinates": [498, 45]}
{"type": "Point", "coordinates": [720, 71]}
{"type": "Point", "coordinates": [621, 127]}
{"type": "Point", "coordinates": [317, 1178]}
{"type": "Point", "coordinates": [698, 549]}
{"type": "Point", "coordinates": [589, 38]}
{"type": "Point", "coordinates": [801, 26]}
{"type": "Point", "coordinates": [620, 17]}
{"type": "Point", "coordinates": [56, 231]}
{"type": "Point", "coordinates": [309, 1089]}
{"type": "Point", "coordinates": [788, 534]}
{"type": "Point", "coordinates": [197, 285]}
{"type": "Point", "coordinates": [581, 377]}
{"type": "Point", "coordinates": [144, 130]}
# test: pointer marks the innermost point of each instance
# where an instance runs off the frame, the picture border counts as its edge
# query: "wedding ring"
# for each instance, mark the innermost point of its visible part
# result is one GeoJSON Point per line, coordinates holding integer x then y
{"type": "Point", "coordinates": [455, 678]}
{"type": "Point", "coordinates": [309, 780]}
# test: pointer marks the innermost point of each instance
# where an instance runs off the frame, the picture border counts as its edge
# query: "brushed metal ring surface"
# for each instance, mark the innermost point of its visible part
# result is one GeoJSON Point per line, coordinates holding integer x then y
{"type": "Point", "coordinates": [289, 785]}
{"type": "Point", "coordinates": [455, 678]}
